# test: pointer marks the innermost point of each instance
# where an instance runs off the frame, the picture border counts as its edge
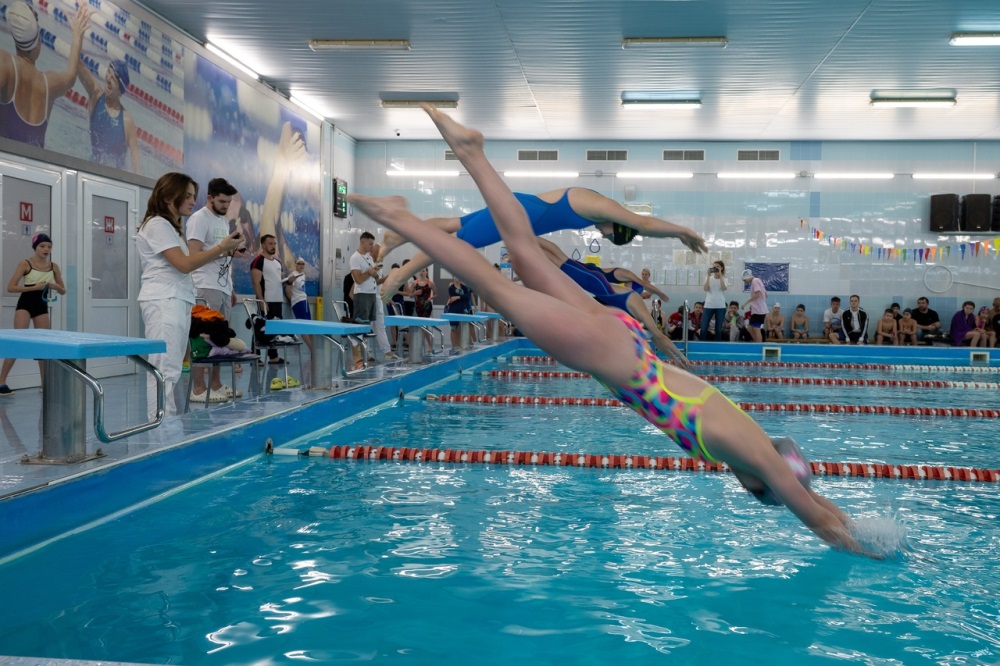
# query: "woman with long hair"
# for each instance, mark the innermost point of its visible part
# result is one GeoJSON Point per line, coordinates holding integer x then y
{"type": "Point", "coordinates": [167, 294]}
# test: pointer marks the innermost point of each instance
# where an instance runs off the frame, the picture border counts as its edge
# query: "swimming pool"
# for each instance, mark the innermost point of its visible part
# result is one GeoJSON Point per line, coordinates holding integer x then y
{"type": "Point", "coordinates": [283, 560]}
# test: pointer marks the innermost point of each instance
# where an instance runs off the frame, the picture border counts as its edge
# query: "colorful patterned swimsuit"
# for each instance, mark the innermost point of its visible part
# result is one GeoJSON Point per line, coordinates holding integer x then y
{"type": "Point", "coordinates": [679, 417]}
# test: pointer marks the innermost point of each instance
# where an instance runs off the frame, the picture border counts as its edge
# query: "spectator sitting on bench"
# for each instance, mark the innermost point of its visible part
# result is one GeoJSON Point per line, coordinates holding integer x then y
{"type": "Point", "coordinates": [774, 323]}
{"type": "Point", "coordinates": [907, 328]}
{"type": "Point", "coordinates": [800, 323]}
{"type": "Point", "coordinates": [963, 326]}
{"type": "Point", "coordinates": [855, 322]}
{"type": "Point", "coordinates": [987, 336]}
{"type": "Point", "coordinates": [833, 327]}
{"type": "Point", "coordinates": [928, 322]}
{"type": "Point", "coordinates": [886, 330]}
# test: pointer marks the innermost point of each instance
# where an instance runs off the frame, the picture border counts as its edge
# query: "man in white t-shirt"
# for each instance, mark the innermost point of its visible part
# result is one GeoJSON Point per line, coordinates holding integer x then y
{"type": "Point", "coordinates": [364, 270]}
{"type": "Point", "coordinates": [213, 282]}
{"type": "Point", "coordinates": [833, 327]}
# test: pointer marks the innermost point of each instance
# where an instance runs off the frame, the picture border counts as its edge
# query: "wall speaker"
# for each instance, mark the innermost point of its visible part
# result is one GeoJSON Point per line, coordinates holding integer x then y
{"type": "Point", "coordinates": [977, 212]}
{"type": "Point", "coordinates": [945, 212]}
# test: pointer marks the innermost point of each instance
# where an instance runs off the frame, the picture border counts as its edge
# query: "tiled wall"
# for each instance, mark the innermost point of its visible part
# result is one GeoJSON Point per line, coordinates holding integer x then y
{"type": "Point", "coordinates": [745, 220]}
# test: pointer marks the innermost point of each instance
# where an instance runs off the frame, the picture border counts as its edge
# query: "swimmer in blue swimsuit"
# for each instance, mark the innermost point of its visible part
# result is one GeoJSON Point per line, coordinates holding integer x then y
{"type": "Point", "coordinates": [572, 208]}
{"type": "Point", "coordinates": [564, 321]}
{"type": "Point", "coordinates": [114, 140]}
{"type": "Point", "coordinates": [26, 94]}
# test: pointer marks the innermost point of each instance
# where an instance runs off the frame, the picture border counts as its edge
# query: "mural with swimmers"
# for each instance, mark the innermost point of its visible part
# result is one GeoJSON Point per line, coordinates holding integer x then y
{"type": "Point", "coordinates": [268, 153]}
{"type": "Point", "coordinates": [94, 83]}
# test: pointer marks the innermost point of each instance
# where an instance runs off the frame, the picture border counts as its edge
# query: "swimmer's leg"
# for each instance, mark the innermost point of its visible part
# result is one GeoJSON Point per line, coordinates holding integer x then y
{"type": "Point", "coordinates": [391, 240]}
{"type": "Point", "coordinates": [587, 340]}
{"type": "Point", "coordinates": [397, 277]}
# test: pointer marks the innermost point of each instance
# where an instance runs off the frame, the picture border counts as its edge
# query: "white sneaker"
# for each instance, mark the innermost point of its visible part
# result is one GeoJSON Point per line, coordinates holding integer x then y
{"type": "Point", "coordinates": [199, 397]}
{"type": "Point", "coordinates": [284, 339]}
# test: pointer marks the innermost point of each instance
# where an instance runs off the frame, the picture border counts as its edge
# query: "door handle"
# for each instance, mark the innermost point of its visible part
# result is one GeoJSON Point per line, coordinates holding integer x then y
{"type": "Point", "coordinates": [93, 279]}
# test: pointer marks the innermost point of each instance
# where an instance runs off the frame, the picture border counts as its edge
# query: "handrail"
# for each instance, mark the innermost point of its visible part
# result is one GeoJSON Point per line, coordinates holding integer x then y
{"type": "Point", "coordinates": [684, 326]}
{"type": "Point", "coordinates": [432, 330]}
{"type": "Point", "coordinates": [98, 390]}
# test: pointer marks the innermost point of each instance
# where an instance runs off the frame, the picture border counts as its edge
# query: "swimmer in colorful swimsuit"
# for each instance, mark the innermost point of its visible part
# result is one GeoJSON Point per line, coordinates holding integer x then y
{"type": "Point", "coordinates": [565, 322]}
{"type": "Point", "coordinates": [572, 208]}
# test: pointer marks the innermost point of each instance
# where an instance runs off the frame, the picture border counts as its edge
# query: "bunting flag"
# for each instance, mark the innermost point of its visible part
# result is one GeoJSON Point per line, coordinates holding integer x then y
{"type": "Point", "coordinates": [918, 255]}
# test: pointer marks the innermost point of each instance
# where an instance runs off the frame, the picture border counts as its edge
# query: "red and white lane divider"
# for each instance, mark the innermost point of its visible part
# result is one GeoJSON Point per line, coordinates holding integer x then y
{"type": "Point", "coordinates": [743, 379]}
{"type": "Point", "coordinates": [631, 461]}
{"type": "Point", "coordinates": [821, 408]}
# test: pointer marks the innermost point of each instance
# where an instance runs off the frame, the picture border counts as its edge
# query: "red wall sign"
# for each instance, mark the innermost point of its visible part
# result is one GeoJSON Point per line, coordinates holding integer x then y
{"type": "Point", "coordinates": [27, 212]}
{"type": "Point", "coordinates": [109, 224]}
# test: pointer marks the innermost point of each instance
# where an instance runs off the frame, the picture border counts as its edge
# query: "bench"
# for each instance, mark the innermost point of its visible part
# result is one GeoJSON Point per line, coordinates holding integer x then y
{"type": "Point", "coordinates": [64, 400]}
{"type": "Point", "coordinates": [327, 337]}
{"type": "Point", "coordinates": [465, 323]}
{"type": "Point", "coordinates": [415, 326]}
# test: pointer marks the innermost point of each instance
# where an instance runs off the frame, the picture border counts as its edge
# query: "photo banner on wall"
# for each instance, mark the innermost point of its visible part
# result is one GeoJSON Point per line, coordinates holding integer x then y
{"type": "Point", "coordinates": [104, 86]}
{"type": "Point", "coordinates": [774, 276]}
{"type": "Point", "coordinates": [961, 251]}
{"type": "Point", "coordinates": [269, 154]}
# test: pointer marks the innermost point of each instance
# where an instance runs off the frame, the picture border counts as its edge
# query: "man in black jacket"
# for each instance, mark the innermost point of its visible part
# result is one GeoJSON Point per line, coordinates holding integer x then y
{"type": "Point", "coordinates": [855, 322]}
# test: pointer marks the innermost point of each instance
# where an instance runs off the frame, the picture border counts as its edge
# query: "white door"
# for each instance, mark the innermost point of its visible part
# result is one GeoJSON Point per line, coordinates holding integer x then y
{"type": "Point", "coordinates": [109, 213]}
{"type": "Point", "coordinates": [30, 203]}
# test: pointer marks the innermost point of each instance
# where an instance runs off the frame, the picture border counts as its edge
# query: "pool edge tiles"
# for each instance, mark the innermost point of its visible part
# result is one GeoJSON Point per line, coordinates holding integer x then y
{"type": "Point", "coordinates": [46, 511]}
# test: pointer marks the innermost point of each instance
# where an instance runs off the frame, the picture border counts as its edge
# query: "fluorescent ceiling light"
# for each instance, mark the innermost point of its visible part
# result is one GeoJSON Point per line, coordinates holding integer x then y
{"type": "Point", "coordinates": [654, 174]}
{"type": "Point", "coordinates": [305, 106]}
{"type": "Point", "coordinates": [661, 103]}
{"type": "Point", "coordinates": [975, 39]}
{"type": "Point", "coordinates": [541, 174]}
{"type": "Point", "coordinates": [360, 44]}
{"type": "Point", "coordinates": [757, 175]}
{"type": "Point", "coordinates": [913, 102]}
{"type": "Point", "coordinates": [661, 42]}
{"type": "Point", "coordinates": [415, 103]}
{"type": "Point", "coordinates": [854, 176]}
{"type": "Point", "coordinates": [443, 174]}
{"type": "Point", "coordinates": [231, 60]}
{"type": "Point", "coordinates": [954, 176]}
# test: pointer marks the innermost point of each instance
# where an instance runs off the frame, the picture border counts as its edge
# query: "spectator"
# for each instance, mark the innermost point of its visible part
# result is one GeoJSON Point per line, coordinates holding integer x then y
{"type": "Point", "coordinates": [459, 302]}
{"type": "Point", "coordinates": [364, 270]}
{"type": "Point", "coordinates": [928, 322]}
{"type": "Point", "coordinates": [855, 322]}
{"type": "Point", "coordinates": [907, 328]}
{"type": "Point", "coordinates": [167, 292]}
{"type": "Point", "coordinates": [995, 317]}
{"type": "Point", "coordinates": [833, 325]}
{"type": "Point", "coordinates": [987, 336]}
{"type": "Point", "coordinates": [423, 294]}
{"type": "Point", "coordinates": [715, 302]}
{"type": "Point", "coordinates": [800, 323]}
{"type": "Point", "coordinates": [757, 303]}
{"type": "Point", "coordinates": [295, 285]}
{"type": "Point", "coordinates": [963, 326]}
{"type": "Point", "coordinates": [735, 326]}
{"type": "Point", "coordinates": [675, 324]}
{"type": "Point", "coordinates": [896, 314]}
{"type": "Point", "coordinates": [774, 323]}
{"type": "Point", "coordinates": [886, 330]}
{"type": "Point", "coordinates": [268, 286]}
{"type": "Point", "coordinates": [695, 316]}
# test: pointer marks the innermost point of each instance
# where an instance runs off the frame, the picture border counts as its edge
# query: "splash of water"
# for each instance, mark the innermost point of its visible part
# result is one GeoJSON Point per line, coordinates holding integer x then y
{"type": "Point", "coordinates": [882, 536]}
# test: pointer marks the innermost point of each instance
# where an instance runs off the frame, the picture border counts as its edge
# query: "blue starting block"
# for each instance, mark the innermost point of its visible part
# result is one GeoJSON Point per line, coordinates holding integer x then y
{"type": "Point", "coordinates": [465, 323]}
{"type": "Point", "coordinates": [416, 326]}
{"type": "Point", "coordinates": [64, 401]}
{"type": "Point", "coordinates": [328, 337]}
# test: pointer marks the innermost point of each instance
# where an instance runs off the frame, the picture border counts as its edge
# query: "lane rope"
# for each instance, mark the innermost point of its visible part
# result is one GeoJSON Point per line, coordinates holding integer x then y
{"type": "Point", "coordinates": [743, 379]}
{"type": "Point", "coordinates": [632, 461]}
{"type": "Point", "coordinates": [819, 408]}
{"type": "Point", "coordinates": [548, 360]}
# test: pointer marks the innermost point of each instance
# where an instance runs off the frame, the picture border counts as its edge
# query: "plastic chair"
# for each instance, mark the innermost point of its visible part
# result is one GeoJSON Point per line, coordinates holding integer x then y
{"type": "Point", "coordinates": [261, 343]}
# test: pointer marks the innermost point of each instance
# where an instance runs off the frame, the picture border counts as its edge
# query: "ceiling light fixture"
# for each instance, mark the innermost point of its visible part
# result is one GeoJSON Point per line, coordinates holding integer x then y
{"type": "Point", "coordinates": [954, 176]}
{"type": "Point", "coordinates": [359, 44]}
{"type": "Point", "coordinates": [231, 60]}
{"type": "Point", "coordinates": [415, 103]}
{"type": "Point", "coordinates": [975, 39]}
{"type": "Point", "coordinates": [912, 102]}
{"type": "Point", "coordinates": [757, 175]}
{"type": "Point", "coordinates": [424, 173]}
{"type": "Point", "coordinates": [541, 174]}
{"type": "Point", "coordinates": [676, 175]}
{"type": "Point", "coordinates": [305, 106]}
{"type": "Point", "coordinates": [661, 103]}
{"type": "Point", "coordinates": [659, 42]}
{"type": "Point", "coordinates": [854, 176]}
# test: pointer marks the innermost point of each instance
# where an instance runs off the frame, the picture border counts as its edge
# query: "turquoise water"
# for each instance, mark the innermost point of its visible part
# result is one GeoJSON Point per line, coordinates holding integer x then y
{"type": "Point", "coordinates": [295, 560]}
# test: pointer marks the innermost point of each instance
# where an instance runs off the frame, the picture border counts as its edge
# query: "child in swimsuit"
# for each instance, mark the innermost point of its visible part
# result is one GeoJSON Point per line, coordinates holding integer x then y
{"type": "Point", "coordinates": [800, 323]}
{"type": "Point", "coordinates": [559, 317]}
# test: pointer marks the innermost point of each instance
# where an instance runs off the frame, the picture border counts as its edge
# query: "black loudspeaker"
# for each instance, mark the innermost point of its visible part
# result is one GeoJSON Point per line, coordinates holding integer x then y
{"type": "Point", "coordinates": [945, 212]}
{"type": "Point", "coordinates": [996, 214]}
{"type": "Point", "coordinates": [977, 212]}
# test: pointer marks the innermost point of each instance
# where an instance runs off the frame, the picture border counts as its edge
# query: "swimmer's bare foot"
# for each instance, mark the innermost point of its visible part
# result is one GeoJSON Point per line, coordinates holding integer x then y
{"type": "Point", "coordinates": [390, 241]}
{"type": "Point", "coordinates": [382, 209]}
{"type": "Point", "coordinates": [463, 140]}
{"type": "Point", "coordinates": [393, 281]}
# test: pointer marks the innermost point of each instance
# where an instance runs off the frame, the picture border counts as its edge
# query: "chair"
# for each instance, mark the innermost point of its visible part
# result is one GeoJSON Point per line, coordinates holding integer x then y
{"type": "Point", "coordinates": [212, 362]}
{"type": "Point", "coordinates": [261, 343]}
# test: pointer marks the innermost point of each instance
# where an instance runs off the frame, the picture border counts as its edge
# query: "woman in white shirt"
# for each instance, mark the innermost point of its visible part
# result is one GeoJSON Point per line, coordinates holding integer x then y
{"type": "Point", "coordinates": [167, 292]}
{"type": "Point", "coordinates": [715, 302]}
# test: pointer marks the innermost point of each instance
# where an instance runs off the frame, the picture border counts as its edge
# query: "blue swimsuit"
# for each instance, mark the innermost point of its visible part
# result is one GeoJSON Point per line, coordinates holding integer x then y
{"type": "Point", "coordinates": [595, 283]}
{"type": "Point", "coordinates": [479, 229]}
{"type": "Point", "coordinates": [108, 143]}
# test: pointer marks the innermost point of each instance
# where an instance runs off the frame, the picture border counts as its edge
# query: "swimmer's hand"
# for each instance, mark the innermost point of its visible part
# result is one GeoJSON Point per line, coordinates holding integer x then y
{"type": "Point", "coordinates": [693, 241]}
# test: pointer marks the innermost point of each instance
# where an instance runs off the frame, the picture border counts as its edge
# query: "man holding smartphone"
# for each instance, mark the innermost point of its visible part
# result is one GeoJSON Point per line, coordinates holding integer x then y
{"type": "Point", "coordinates": [364, 270]}
{"type": "Point", "coordinates": [213, 282]}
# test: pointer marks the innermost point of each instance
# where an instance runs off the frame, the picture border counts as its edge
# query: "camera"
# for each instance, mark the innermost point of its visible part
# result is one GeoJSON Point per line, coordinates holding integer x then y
{"type": "Point", "coordinates": [238, 236]}
{"type": "Point", "coordinates": [398, 132]}
{"type": "Point", "coordinates": [713, 269]}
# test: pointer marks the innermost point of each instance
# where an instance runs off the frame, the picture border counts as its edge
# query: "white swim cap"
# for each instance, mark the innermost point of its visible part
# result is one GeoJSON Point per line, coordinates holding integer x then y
{"type": "Point", "coordinates": [23, 22]}
{"type": "Point", "coordinates": [747, 274]}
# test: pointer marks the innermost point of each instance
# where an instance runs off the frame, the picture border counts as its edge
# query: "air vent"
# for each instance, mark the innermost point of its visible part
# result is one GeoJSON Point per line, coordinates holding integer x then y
{"type": "Point", "coordinates": [683, 155]}
{"type": "Point", "coordinates": [449, 156]}
{"type": "Point", "coordinates": [607, 155]}
{"type": "Point", "coordinates": [758, 155]}
{"type": "Point", "coordinates": [538, 156]}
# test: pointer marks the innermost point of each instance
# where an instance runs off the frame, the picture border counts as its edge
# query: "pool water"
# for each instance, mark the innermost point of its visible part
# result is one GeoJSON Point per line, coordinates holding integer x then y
{"type": "Point", "coordinates": [289, 560]}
